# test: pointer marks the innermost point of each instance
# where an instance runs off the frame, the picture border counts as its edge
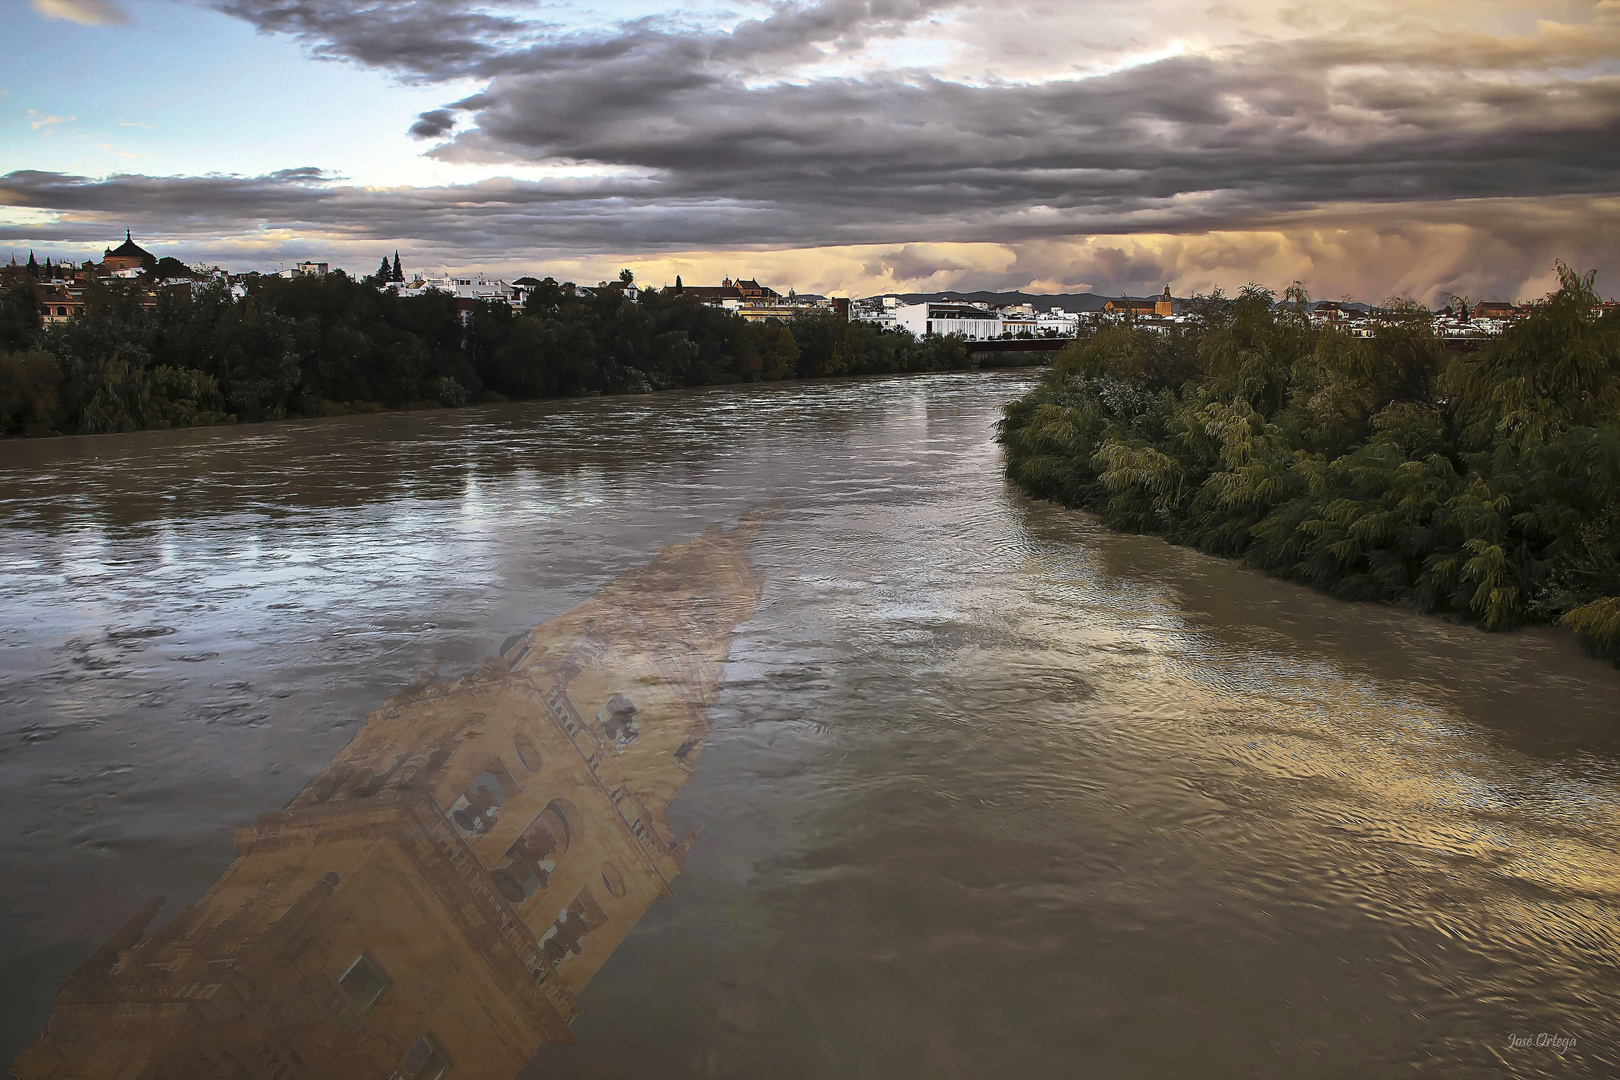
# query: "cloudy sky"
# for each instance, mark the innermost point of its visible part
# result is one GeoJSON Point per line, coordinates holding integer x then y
{"type": "Point", "coordinates": [1366, 147]}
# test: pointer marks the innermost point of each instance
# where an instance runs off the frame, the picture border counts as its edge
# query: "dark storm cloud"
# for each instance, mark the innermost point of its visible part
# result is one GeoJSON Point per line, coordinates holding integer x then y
{"type": "Point", "coordinates": [1159, 132]}
{"type": "Point", "coordinates": [1180, 142]}
{"type": "Point", "coordinates": [1184, 141]}
{"type": "Point", "coordinates": [735, 148]}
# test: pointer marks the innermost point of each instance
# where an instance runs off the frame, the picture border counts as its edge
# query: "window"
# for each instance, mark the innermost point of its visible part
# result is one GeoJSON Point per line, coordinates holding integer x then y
{"type": "Point", "coordinates": [562, 938]}
{"type": "Point", "coordinates": [365, 982]}
{"type": "Point", "coordinates": [427, 1060]}
{"type": "Point", "coordinates": [613, 880]}
{"type": "Point", "coordinates": [563, 820]}
{"type": "Point", "coordinates": [527, 755]}
{"type": "Point", "coordinates": [533, 855]}
{"type": "Point", "coordinates": [476, 810]}
{"type": "Point", "coordinates": [618, 720]}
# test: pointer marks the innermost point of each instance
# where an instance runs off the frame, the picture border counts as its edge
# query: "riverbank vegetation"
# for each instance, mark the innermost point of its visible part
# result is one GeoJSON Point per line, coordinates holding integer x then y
{"type": "Point", "coordinates": [1483, 484]}
{"type": "Point", "coordinates": [315, 346]}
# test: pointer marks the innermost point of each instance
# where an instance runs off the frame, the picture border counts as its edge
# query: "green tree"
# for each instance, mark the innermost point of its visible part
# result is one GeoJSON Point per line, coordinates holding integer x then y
{"type": "Point", "coordinates": [29, 400]}
{"type": "Point", "coordinates": [1485, 484]}
{"type": "Point", "coordinates": [775, 352]}
{"type": "Point", "coordinates": [168, 267]}
{"type": "Point", "coordinates": [308, 346]}
{"type": "Point", "coordinates": [21, 318]}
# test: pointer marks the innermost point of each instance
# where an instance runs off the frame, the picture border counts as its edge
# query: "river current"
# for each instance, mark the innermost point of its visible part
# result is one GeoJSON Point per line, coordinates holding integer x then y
{"type": "Point", "coordinates": [988, 791]}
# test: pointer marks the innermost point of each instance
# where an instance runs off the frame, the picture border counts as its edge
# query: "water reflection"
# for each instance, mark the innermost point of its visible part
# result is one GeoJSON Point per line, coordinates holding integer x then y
{"type": "Point", "coordinates": [439, 895]}
{"type": "Point", "coordinates": [142, 480]}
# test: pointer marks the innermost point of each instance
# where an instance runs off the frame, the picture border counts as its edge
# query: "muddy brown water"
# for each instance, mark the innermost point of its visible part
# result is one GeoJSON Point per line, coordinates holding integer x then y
{"type": "Point", "coordinates": [990, 791]}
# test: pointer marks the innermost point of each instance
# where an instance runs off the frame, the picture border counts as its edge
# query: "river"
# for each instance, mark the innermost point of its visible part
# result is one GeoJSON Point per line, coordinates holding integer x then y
{"type": "Point", "coordinates": [988, 791]}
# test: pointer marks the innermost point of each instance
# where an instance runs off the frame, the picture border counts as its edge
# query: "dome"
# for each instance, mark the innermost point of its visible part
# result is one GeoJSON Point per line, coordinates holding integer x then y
{"type": "Point", "coordinates": [130, 249]}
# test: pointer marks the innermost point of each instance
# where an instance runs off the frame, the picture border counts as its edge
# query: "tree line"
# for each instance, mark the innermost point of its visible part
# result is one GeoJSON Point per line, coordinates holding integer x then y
{"type": "Point", "coordinates": [312, 346]}
{"type": "Point", "coordinates": [1483, 484]}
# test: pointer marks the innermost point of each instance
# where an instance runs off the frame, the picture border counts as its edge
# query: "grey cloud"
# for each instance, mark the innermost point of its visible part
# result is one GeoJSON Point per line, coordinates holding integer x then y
{"type": "Point", "coordinates": [1175, 140]}
{"type": "Point", "coordinates": [435, 39]}
{"type": "Point", "coordinates": [1120, 268]}
{"type": "Point", "coordinates": [446, 39]}
{"type": "Point", "coordinates": [738, 154]}
{"type": "Point", "coordinates": [490, 218]}
{"type": "Point", "coordinates": [915, 262]}
{"type": "Point", "coordinates": [1483, 248]}
{"type": "Point", "coordinates": [1193, 139]}
{"type": "Point", "coordinates": [433, 124]}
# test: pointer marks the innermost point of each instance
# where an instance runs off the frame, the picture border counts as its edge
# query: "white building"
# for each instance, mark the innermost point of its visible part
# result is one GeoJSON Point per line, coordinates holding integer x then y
{"type": "Point", "coordinates": [976, 322]}
{"type": "Point", "coordinates": [462, 288]}
{"type": "Point", "coordinates": [479, 288]}
{"type": "Point", "coordinates": [304, 269]}
{"type": "Point", "coordinates": [1020, 319]}
{"type": "Point", "coordinates": [631, 291]}
{"type": "Point", "coordinates": [878, 310]}
{"type": "Point", "coordinates": [1057, 323]}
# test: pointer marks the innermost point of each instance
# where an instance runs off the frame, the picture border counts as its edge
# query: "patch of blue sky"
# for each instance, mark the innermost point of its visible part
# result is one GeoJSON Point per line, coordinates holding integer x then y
{"type": "Point", "coordinates": [185, 90]}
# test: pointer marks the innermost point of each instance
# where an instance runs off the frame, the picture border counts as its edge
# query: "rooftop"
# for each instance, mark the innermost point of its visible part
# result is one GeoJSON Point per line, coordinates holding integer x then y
{"type": "Point", "coordinates": [130, 248]}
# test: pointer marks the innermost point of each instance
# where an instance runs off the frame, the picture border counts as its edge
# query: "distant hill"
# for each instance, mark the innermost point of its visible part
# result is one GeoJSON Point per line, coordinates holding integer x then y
{"type": "Point", "coordinates": [1066, 301]}
{"type": "Point", "coordinates": [1348, 305]}
{"type": "Point", "coordinates": [1040, 301]}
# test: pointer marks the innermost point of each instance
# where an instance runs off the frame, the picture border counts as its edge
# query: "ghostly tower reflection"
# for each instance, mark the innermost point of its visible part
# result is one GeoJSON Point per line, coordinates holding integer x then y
{"type": "Point", "coordinates": [434, 900]}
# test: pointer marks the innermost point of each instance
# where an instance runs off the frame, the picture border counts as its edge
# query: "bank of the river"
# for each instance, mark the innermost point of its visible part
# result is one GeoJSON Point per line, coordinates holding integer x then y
{"type": "Point", "coordinates": [1485, 485]}
{"type": "Point", "coordinates": [990, 790]}
{"type": "Point", "coordinates": [333, 346]}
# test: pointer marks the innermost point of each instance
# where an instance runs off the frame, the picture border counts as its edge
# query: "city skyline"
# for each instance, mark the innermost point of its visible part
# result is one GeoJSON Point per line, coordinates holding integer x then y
{"type": "Point", "coordinates": [849, 148]}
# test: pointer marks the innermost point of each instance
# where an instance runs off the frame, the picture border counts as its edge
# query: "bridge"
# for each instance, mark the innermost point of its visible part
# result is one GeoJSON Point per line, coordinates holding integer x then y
{"type": "Point", "coordinates": [985, 353]}
{"type": "Point", "coordinates": [996, 345]}
{"type": "Point", "coordinates": [1017, 345]}
{"type": "Point", "coordinates": [1052, 345]}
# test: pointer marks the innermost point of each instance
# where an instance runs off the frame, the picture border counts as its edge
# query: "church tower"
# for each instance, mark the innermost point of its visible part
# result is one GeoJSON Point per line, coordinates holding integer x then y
{"type": "Point", "coordinates": [438, 895]}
